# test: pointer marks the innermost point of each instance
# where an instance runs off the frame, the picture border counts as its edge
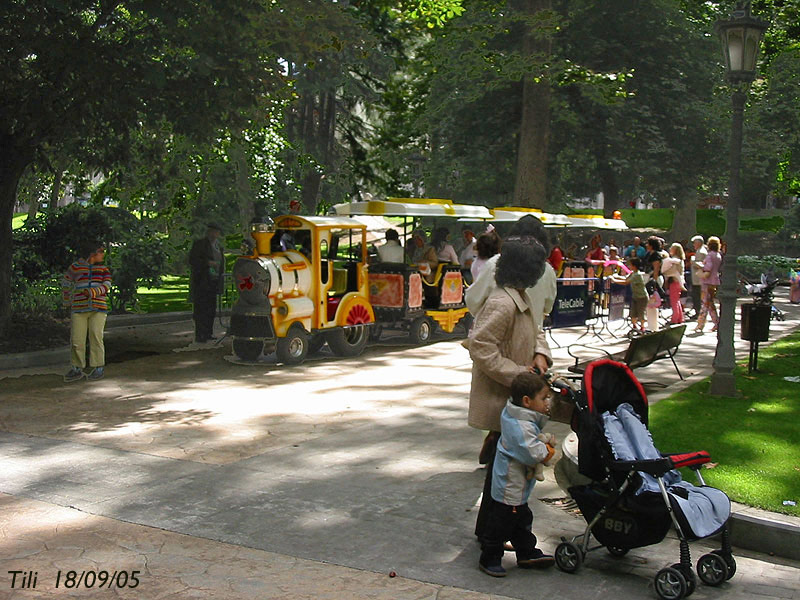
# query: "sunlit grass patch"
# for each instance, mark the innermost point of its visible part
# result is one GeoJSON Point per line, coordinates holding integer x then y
{"type": "Point", "coordinates": [171, 296]}
{"type": "Point", "coordinates": [753, 438]}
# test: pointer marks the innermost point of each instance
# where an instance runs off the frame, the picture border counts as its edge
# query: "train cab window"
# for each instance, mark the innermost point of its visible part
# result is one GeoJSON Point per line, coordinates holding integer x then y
{"type": "Point", "coordinates": [323, 256]}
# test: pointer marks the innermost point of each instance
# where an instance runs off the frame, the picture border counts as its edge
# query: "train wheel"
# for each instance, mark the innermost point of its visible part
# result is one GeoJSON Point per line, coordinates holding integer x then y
{"type": "Point", "coordinates": [420, 330]}
{"type": "Point", "coordinates": [293, 349]}
{"type": "Point", "coordinates": [348, 341]}
{"type": "Point", "coordinates": [248, 350]}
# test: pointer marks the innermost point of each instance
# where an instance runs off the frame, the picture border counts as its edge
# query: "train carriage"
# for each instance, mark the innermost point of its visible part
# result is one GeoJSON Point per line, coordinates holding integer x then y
{"type": "Point", "coordinates": [293, 301]}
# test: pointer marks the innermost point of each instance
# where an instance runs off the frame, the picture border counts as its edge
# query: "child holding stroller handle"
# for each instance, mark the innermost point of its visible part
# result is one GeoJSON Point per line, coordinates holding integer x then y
{"type": "Point", "coordinates": [520, 448]}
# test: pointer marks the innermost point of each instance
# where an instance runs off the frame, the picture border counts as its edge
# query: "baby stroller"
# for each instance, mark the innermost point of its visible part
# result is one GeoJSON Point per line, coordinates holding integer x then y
{"type": "Point", "coordinates": [763, 293]}
{"type": "Point", "coordinates": [636, 494]}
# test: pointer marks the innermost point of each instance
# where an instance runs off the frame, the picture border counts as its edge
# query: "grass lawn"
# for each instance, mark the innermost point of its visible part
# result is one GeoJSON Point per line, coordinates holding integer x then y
{"type": "Point", "coordinates": [755, 438]}
{"type": "Point", "coordinates": [173, 295]}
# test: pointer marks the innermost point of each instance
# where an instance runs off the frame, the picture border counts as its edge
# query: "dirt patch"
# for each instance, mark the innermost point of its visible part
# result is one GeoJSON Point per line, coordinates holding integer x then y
{"type": "Point", "coordinates": [29, 333]}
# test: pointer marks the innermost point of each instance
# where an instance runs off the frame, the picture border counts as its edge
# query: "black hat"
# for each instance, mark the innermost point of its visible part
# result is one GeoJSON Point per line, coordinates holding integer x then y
{"type": "Point", "coordinates": [214, 226]}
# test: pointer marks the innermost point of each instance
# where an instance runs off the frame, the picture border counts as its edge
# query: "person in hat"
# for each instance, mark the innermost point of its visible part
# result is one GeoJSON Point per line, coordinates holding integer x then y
{"type": "Point", "coordinates": [415, 248]}
{"type": "Point", "coordinates": [207, 264]}
{"type": "Point", "coordinates": [697, 260]}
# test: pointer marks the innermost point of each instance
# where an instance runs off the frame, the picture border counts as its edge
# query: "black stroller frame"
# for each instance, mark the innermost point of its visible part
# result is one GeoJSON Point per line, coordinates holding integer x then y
{"type": "Point", "coordinates": [763, 293]}
{"type": "Point", "coordinates": [608, 509]}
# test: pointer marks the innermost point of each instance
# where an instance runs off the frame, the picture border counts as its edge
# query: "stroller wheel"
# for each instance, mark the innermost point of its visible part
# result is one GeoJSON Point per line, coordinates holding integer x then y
{"type": "Point", "coordinates": [729, 560]}
{"type": "Point", "coordinates": [689, 576]}
{"type": "Point", "coordinates": [617, 551]}
{"type": "Point", "coordinates": [670, 584]}
{"type": "Point", "coordinates": [568, 557]}
{"type": "Point", "coordinates": [712, 569]}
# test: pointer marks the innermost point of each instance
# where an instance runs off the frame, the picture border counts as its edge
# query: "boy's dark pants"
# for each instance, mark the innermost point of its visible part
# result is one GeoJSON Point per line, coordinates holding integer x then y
{"type": "Point", "coordinates": [504, 523]}
{"type": "Point", "coordinates": [498, 523]}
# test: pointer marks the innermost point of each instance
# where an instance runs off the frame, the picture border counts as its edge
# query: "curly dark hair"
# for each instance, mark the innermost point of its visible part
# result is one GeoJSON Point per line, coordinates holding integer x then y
{"type": "Point", "coordinates": [530, 225]}
{"type": "Point", "coordinates": [487, 245]}
{"type": "Point", "coordinates": [521, 263]}
{"type": "Point", "coordinates": [654, 243]}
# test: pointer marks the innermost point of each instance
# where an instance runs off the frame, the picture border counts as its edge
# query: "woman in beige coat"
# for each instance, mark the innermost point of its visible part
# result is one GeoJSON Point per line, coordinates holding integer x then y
{"type": "Point", "coordinates": [503, 343]}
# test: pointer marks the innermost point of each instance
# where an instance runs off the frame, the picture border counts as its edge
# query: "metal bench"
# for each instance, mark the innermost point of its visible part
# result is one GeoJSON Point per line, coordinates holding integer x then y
{"type": "Point", "coordinates": [643, 350]}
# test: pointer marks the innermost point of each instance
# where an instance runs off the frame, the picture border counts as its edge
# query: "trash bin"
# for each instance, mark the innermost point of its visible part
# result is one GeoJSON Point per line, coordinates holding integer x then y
{"type": "Point", "coordinates": [755, 322]}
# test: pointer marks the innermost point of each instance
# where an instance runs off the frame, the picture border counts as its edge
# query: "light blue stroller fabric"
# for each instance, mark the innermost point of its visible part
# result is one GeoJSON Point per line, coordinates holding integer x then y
{"type": "Point", "coordinates": [706, 509]}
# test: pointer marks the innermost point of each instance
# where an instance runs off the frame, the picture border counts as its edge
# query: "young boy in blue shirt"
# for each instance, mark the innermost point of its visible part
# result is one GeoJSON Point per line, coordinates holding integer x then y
{"type": "Point", "coordinates": [519, 449]}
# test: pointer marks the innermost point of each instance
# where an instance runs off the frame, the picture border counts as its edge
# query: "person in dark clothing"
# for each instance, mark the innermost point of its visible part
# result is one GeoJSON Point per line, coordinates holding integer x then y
{"type": "Point", "coordinates": [208, 269]}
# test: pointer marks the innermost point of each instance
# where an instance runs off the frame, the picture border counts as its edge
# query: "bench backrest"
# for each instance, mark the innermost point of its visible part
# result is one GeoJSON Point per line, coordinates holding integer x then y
{"type": "Point", "coordinates": [672, 338]}
{"type": "Point", "coordinates": [644, 349]}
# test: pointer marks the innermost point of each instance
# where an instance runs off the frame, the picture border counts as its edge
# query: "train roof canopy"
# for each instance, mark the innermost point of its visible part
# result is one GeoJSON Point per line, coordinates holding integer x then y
{"type": "Point", "coordinates": [413, 207]}
{"type": "Point", "coordinates": [516, 213]}
{"type": "Point", "coordinates": [285, 222]}
{"type": "Point", "coordinates": [597, 222]}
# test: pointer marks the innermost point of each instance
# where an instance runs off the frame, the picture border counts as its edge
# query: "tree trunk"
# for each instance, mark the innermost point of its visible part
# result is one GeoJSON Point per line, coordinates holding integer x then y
{"type": "Point", "coordinates": [609, 186]}
{"type": "Point", "coordinates": [13, 162]}
{"type": "Point", "coordinates": [530, 185]}
{"type": "Point", "coordinates": [244, 191]}
{"type": "Point", "coordinates": [684, 224]}
{"type": "Point", "coordinates": [55, 191]}
{"type": "Point", "coordinates": [33, 208]}
{"type": "Point", "coordinates": [312, 180]}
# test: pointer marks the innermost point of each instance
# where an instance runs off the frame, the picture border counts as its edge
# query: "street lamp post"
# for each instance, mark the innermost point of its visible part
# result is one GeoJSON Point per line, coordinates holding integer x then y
{"type": "Point", "coordinates": [741, 39]}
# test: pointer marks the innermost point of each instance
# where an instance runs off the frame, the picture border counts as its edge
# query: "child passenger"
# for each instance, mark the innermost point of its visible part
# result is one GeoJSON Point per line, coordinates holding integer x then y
{"type": "Point", "coordinates": [509, 517]}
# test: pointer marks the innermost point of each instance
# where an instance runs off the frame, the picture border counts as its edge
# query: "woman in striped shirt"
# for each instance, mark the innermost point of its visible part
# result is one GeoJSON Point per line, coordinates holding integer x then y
{"type": "Point", "coordinates": [85, 291]}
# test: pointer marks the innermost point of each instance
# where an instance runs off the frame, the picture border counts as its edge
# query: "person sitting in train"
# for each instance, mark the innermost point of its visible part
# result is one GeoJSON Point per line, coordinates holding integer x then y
{"type": "Point", "coordinates": [440, 251]}
{"type": "Point", "coordinates": [392, 250]}
{"type": "Point", "coordinates": [415, 248]}
{"type": "Point", "coordinates": [596, 253]}
{"type": "Point", "coordinates": [445, 252]}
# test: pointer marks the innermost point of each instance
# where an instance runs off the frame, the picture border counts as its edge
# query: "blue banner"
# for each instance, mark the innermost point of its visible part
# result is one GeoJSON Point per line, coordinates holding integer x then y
{"type": "Point", "coordinates": [573, 304]}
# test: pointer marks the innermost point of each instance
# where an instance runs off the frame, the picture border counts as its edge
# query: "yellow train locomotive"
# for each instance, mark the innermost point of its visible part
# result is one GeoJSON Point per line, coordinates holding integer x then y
{"type": "Point", "coordinates": [294, 301]}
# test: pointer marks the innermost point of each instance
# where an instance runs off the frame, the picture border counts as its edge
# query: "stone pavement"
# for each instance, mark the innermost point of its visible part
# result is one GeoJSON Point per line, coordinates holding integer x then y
{"type": "Point", "coordinates": [219, 480]}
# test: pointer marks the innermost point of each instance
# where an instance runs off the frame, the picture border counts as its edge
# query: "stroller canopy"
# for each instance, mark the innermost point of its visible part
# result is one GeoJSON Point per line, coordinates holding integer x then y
{"type": "Point", "coordinates": [607, 384]}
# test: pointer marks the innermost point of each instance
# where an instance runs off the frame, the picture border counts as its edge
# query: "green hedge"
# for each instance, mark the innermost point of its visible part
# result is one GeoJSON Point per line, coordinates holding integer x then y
{"type": "Point", "coordinates": [709, 221]}
{"type": "Point", "coordinates": [752, 266]}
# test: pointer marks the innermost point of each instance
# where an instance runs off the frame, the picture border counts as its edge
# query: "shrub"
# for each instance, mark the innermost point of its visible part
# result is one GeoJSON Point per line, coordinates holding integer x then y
{"type": "Point", "coordinates": [753, 266]}
{"type": "Point", "coordinates": [44, 247]}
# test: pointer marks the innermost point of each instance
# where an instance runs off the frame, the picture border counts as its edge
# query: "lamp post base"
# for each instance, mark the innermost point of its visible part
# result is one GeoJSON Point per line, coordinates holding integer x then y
{"type": "Point", "coordinates": [723, 384]}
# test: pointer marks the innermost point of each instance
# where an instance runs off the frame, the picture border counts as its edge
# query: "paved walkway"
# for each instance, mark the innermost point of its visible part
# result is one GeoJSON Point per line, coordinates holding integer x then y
{"type": "Point", "coordinates": [218, 480]}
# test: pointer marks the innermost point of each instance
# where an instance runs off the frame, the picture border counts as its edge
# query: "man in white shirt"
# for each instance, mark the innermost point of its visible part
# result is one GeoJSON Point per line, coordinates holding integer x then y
{"type": "Point", "coordinates": [466, 255]}
{"type": "Point", "coordinates": [391, 251]}
{"type": "Point", "coordinates": [700, 253]}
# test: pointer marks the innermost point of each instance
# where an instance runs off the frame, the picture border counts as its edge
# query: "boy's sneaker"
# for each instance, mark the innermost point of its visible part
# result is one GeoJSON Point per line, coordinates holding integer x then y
{"type": "Point", "coordinates": [493, 570]}
{"type": "Point", "coordinates": [97, 373]}
{"type": "Point", "coordinates": [74, 374]}
{"type": "Point", "coordinates": [536, 560]}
